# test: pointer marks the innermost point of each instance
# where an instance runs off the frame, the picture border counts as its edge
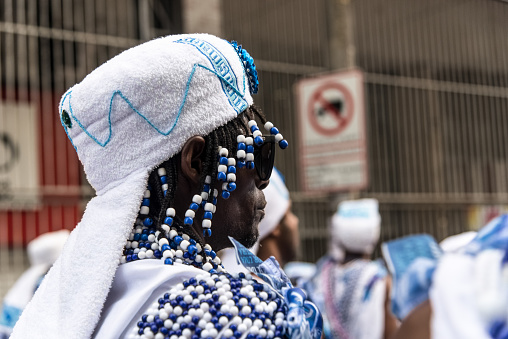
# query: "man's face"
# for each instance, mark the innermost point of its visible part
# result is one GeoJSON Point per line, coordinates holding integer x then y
{"type": "Point", "coordinates": [239, 216]}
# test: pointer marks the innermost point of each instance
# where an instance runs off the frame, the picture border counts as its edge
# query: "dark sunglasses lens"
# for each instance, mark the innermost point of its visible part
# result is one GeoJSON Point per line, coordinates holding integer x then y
{"type": "Point", "coordinates": [263, 160]}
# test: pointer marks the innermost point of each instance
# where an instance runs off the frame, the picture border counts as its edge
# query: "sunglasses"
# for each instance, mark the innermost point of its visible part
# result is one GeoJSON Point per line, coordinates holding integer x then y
{"type": "Point", "coordinates": [264, 157]}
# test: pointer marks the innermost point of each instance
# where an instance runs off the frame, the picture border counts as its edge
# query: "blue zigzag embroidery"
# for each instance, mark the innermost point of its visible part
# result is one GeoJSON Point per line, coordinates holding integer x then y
{"type": "Point", "coordinates": [235, 98]}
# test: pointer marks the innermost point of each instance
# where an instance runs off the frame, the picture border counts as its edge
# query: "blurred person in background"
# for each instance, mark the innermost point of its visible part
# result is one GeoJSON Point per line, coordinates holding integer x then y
{"type": "Point", "coordinates": [467, 289]}
{"type": "Point", "coordinates": [278, 231]}
{"type": "Point", "coordinates": [351, 290]}
{"type": "Point", "coordinates": [42, 253]}
{"type": "Point", "coordinates": [167, 133]}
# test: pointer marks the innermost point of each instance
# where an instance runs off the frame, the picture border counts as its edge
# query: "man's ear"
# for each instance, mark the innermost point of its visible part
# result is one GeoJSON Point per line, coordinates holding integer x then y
{"type": "Point", "coordinates": [191, 162]}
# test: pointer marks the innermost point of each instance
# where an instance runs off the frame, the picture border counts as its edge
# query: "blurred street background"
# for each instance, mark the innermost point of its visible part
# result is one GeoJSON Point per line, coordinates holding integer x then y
{"type": "Point", "coordinates": [434, 83]}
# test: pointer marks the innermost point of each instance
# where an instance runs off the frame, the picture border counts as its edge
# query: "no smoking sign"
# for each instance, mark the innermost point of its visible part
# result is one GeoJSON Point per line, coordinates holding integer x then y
{"type": "Point", "coordinates": [332, 132]}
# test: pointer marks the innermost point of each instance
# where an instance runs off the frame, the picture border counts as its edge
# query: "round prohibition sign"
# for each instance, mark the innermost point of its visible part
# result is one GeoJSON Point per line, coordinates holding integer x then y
{"type": "Point", "coordinates": [330, 109]}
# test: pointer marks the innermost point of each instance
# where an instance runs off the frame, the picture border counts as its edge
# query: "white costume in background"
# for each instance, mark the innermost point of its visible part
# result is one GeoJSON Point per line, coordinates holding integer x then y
{"type": "Point", "coordinates": [42, 253]}
{"type": "Point", "coordinates": [277, 204]}
{"type": "Point", "coordinates": [351, 295]}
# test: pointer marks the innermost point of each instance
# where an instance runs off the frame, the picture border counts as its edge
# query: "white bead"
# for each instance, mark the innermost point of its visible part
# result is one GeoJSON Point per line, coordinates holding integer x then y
{"type": "Point", "coordinates": [190, 213]}
{"type": "Point", "coordinates": [246, 310]}
{"type": "Point", "coordinates": [252, 123]}
{"type": "Point", "coordinates": [198, 260]}
{"type": "Point", "coordinates": [154, 246]}
{"type": "Point", "coordinates": [123, 260]}
{"type": "Point", "coordinates": [223, 320]}
{"type": "Point", "coordinates": [262, 332]}
{"type": "Point", "coordinates": [240, 154]}
{"type": "Point", "coordinates": [223, 152]}
{"type": "Point", "coordinates": [223, 299]}
{"type": "Point", "coordinates": [165, 228]}
{"type": "Point", "coordinates": [179, 253]}
{"type": "Point", "coordinates": [165, 187]}
{"type": "Point", "coordinates": [258, 323]}
{"type": "Point", "coordinates": [159, 336]}
{"type": "Point", "coordinates": [186, 333]}
{"type": "Point", "coordinates": [204, 196]}
{"type": "Point", "coordinates": [243, 301]}
{"type": "Point", "coordinates": [168, 323]}
{"type": "Point", "coordinates": [208, 247]}
{"type": "Point", "coordinates": [204, 334]}
{"type": "Point", "coordinates": [144, 210]}
{"type": "Point", "coordinates": [207, 317]}
{"type": "Point", "coordinates": [197, 199]}
{"type": "Point", "coordinates": [151, 238]}
{"type": "Point", "coordinates": [207, 223]}
{"type": "Point", "coordinates": [163, 315]}
{"type": "Point", "coordinates": [213, 332]}
{"type": "Point", "coordinates": [185, 237]}
{"type": "Point", "coordinates": [207, 267]}
{"type": "Point", "coordinates": [254, 330]}
{"type": "Point", "coordinates": [163, 241]}
{"type": "Point", "coordinates": [268, 125]}
{"type": "Point", "coordinates": [240, 138]}
{"type": "Point", "coordinates": [279, 315]}
{"type": "Point", "coordinates": [242, 328]}
{"type": "Point", "coordinates": [147, 194]}
{"type": "Point", "coordinates": [217, 261]}
{"type": "Point", "coordinates": [134, 244]}
{"type": "Point", "coordinates": [209, 207]}
{"type": "Point", "coordinates": [278, 321]}
{"type": "Point", "coordinates": [249, 140]}
{"type": "Point", "coordinates": [231, 162]}
{"type": "Point", "coordinates": [150, 318]}
{"type": "Point", "coordinates": [188, 299]}
{"type": "Point", "coordinates": [172, 234]}
{"type": "Point", "coordinates": [161, 171]}
{"type": "Point", "coordinates": [225, 186]}
{"type": "Point", "coordinates": [202, 323]}
{"type": "Point", "coordinates": [228, 333]}
{"type": "Point", "coordinates": [148, 333]}
{"type": "Point", "coordinates": [259, 308]}
{"type": "Point", "coordinates": [168, 308]}
{"type": "Point", "coordinates": [224, 309]}
{"type": "Point", "coordinates": [141, 255]}
{"type": "Point", "coordinates": [222, 168]}
{"type": "Point", "coordinates": [270, 334]}
{"type": "Point", "coordinates": [233, 310]}
{"type": "Point", "coordinates": [257, 133]}
{"type": "Point", "coordinates": [177, 310]}
{"type": "Point", "coordinates": [231, 177]}
{"type": "Point", "coordinates": [214, 209]}
{"type": "Point", "coordinates": [203, 308]}
{"type": "Point", "coordinates": [215, 192]}
{"type": "Point", "coordinates": [208, 180]}
{"type": "Point", "coordinates": [176, 327]}
{"type": "Point", "coordinates": [255, 301]}
{"type": "Point", "coordinates": [263, 295]}
{"type": "Point", "coordinates": [249, 157]}
{"type": "Point", "coordinates": [278, 137]}
{"type": "Point", "coordinates": [247, 322]}
{"type": "Point", "coordinates": [170, 212]}
{"type": "Point", "coordinates": [184, 244]}
{"type": "Point", "coordinates": [198, 246]}
{"type": "Point", "coordinates": [200, 289]}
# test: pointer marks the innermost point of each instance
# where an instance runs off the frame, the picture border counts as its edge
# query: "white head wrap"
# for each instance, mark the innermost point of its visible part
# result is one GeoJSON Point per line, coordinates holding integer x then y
{"type": "Point", "coordinates": [124, 119]}
{"type": "Point", "coordinates": [45, 249]}
{"type": "Point", "coordinates": [355, 227]}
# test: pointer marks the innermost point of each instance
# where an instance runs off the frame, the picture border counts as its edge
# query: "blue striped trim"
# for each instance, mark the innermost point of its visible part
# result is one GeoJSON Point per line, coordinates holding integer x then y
{"type": "Point", "coordinates": [223, 70]}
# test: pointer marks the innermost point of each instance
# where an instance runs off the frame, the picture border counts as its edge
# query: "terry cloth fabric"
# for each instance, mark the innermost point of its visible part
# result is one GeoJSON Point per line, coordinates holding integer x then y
{"type": "Point", "coordinates": [124, 119]}
{"type": "Point", "coordinates": [355, 227]}
{"type": "Point", "coordinates": [42, 253]}
{"type": "Point", "coordinates": [351, 298]}
{"type": "Point", "coordinates": [277, 204]}
{"type": "Point", "coordinates": [456, 242]}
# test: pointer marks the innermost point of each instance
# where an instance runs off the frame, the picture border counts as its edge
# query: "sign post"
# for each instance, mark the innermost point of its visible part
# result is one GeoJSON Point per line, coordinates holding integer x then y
{"type": "Point", "coordinates": [333, 154]}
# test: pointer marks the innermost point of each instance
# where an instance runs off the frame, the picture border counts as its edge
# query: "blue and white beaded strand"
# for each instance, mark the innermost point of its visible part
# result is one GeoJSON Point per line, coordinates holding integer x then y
{"type": "Point", "coordinates": [210, 208]}
{"type": "Point", "coordinates": [241, 150]}
{"type": "Point", "coordinates": [164, 179]}
{"type": "Point", "coordinates": [256, 133]}
{"type": "Point", "coordinates": [283, 144]}
{"type": "Point", "coordinates": [249, 156]}
{"type": "Point", "coordinates": [190, 214]}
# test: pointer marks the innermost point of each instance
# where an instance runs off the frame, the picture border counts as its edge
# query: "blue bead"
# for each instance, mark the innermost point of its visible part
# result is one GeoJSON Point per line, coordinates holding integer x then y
{"type": "Point", "coordinates": [183, 305]}
{"type": "Point", "coordinates": [213, 255]}
{"type": "Point", "coordinates": [193, 242]}
{"type": "Point", "coordinates": [186, 255]}
{"type": "Point", "coordinates": [178, 332]}
{"type": "Point", "coordinates": [159, 322]}
{"type": "Point", "coordinates": [165, 247]}
{"type": "Point", "coordinates": [214, 320]}
{"type": "Point", "coordinates": [250, 149]}
{"type": "Point", "coordinates": [283, 144]}
{"type": "Point", "coordinates": [258, 140]}
{"type": "Point", "coordinates": [179, 298]}
{"type": "Point", "coordinates": [193, 206]}
{"type": "Point", "coordinates": [195, 336]}
{"type": "Point", "coordinates": [223, 161]}
{"type": "Point", "coordinates": [134, 256]}
{"type": "Point", "coordinates": [198, 330]}
{"type": "Point", "coordinates": [177, 239]}
{"type": "Point", "coordinates": [231, 169]}
{"type": "Point", "coordinates": [237, 334]}
{"type": "Point", "coordinates": [168, 261]}
{"type": "Point", "coordinates": [274, 130]}
{"type": "Point", "coordinates": [140, 323]}
{"type": "Point", "coordinates": [128, 257]}
{"type": "Point", "coordinates": [146, 202]}
{"type": "Point", "coordinates": [144, 237]}
{"type": "Point", "coordinates": [137, 236]}
{"type": "Point", "coordinates": [241, 146]}
{"type": "Point", "coordinates": [168, 221]}
{"type": "Point", "coordinates": [164, 330]}
{"type": "Point", "coordinates": [250, 164]}
{"type": "Point", "coordinates": [141, 331]}
{"type": "Point", "coordinates": [183, 326]}
{"type": "Point", "coordinates": [225, 194]}
{"type": "Point", "coordinates": [218, 327]}
{"type": "Point", "coordinates": [208, 215]}
{"type": "Point", "coordinates": [144, 317]}
{"type": "Point", "coordinates": [207, 232]}
{"type": "Point", "coordinates": [194, 294]}
{"type": "Point", "coordinates": [214, 201]}
{"type": "Point", "coordinates": [188, 221]}
{"type": "Point", "coordinates": [145, 231]}
{"type": "Point", "coordinates": [221, 176]}
{"type": "Point", "coordinates": [231, 186]}
{"type": "Point", "coordinates": [206, 188]}
{"type": "Point", "coordinates": [192, 249]}
{"type": "Point", "coordinates": [254, 128]}
{"type": "Point", "coordinates": [240, 164]}
{"type": "Point", "coordinates": [164, 179]}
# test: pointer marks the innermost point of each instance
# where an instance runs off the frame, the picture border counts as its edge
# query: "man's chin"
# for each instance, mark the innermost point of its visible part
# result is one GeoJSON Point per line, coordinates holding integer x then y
{"type": "Point", "coordinates": [249, 241]}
